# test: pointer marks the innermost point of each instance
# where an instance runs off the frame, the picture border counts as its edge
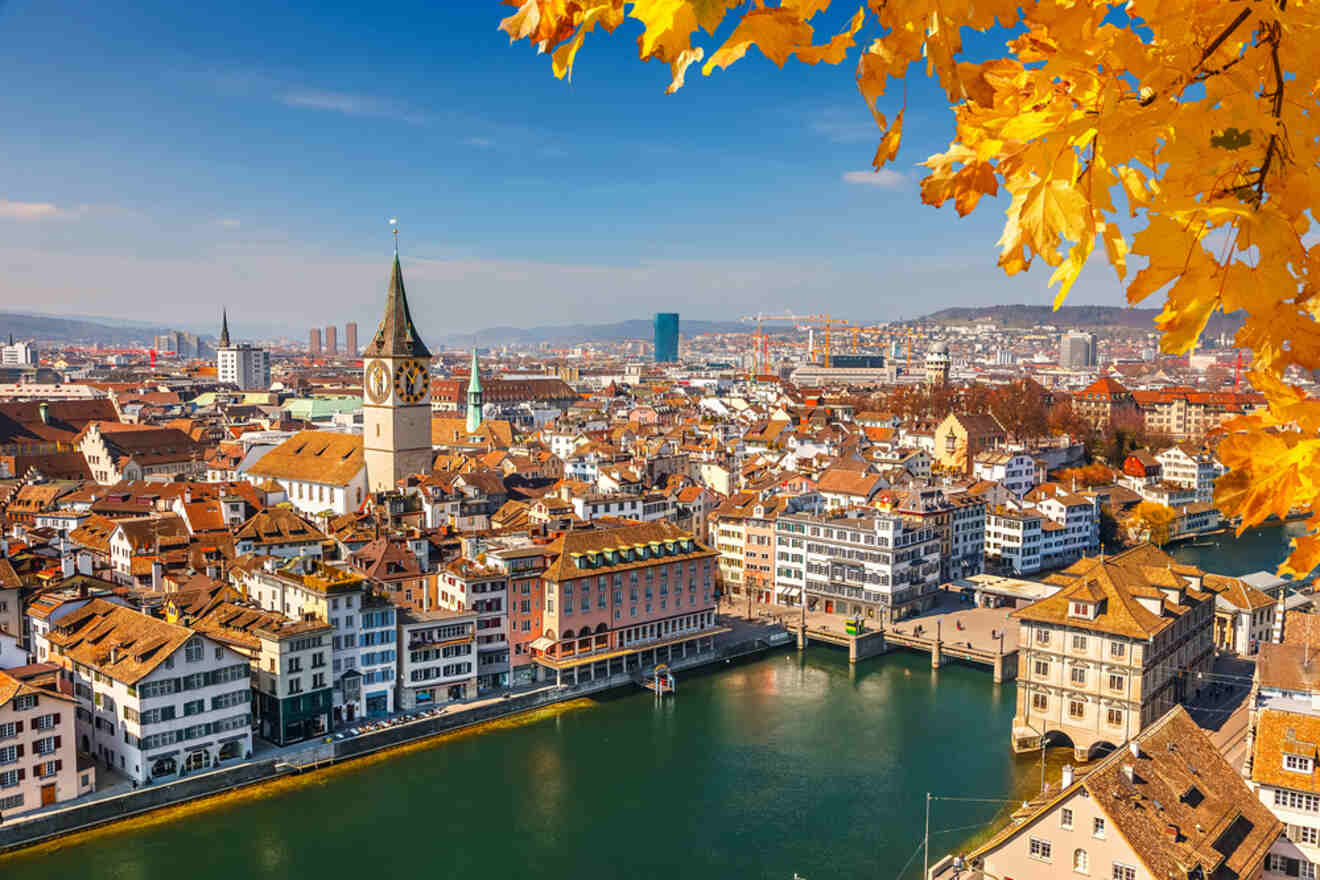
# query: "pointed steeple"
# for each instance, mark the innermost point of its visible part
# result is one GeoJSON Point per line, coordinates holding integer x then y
{"type": "Point", "coordinates": [475, 398]}
{"type": "Point", "coordinates": [396, 336]}
{"type": "Point", "coordinates": [224, 328]}
{"type": "Point", "coordinates": [474, 383]}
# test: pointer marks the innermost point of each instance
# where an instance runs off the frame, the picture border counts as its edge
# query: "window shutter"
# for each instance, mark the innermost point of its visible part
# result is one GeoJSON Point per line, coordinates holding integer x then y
{"type": "Point", "coordinates": [59, 765]}
{"type": "Point", "coordinates": [20, 749]}
{"type": "Point", "coordinates": [1292, 868]}
{"type": "Point", "coordinates": [36, 770]}
{"type": "Point", "coordinates": [57, 742]}
{"type": "Point", "coordinates": [22, 774]}
{"type": "Point", "coordinates": [57, 717]}
{"type": "Point", "coordinates": [18, 727]}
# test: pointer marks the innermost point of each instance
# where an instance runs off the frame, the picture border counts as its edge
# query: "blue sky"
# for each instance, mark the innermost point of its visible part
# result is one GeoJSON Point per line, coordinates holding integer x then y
{"type": "Point", "coordinates": [160, 159]}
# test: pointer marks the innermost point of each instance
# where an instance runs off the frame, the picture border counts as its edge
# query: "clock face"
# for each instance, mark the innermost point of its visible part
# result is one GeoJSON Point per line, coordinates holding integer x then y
{"type": "Point", "coordinates": [378, 381]}
{"type": "Point", "coordinates": [411, 381]}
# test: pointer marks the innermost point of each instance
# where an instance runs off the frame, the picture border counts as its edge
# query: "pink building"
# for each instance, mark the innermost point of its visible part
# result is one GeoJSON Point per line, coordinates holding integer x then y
{"type": "Point", "coordinates": [620, 600]}
{"type": "Point", "coordinates": [38, 751]}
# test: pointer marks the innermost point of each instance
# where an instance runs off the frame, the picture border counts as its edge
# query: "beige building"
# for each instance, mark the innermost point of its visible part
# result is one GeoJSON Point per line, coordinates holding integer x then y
{"type": "Point", "coordinates": [1123, 641]}
{"type": "Point", "coordinates": [960, 437]}
{"type": "Point", "coordinates": [1167, 807]}
{"type": "Point", "coordinates": [38, 745]}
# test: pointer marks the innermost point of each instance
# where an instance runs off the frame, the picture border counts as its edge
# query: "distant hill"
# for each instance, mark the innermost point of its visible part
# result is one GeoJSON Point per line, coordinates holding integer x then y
{"type": "Point", "coordinates": [575, 333]}
{"type": "Point", "coordinates": [1026, 316]}
{"type": "Point", "coordinates": [49, 328]}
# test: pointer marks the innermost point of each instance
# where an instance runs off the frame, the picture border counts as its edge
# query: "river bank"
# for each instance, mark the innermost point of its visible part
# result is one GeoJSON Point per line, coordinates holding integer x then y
{"type": "Point", "coordinates": [790, 762]}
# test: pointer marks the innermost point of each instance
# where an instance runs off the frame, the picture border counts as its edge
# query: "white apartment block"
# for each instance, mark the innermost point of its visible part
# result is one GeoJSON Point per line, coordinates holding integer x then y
{"type": "Point", "coordinates": [861, 563]}
{"type": "Point", "coordinates": [1190, 468]}
{"type": "Point", "coordinates": [155, 699]}
{"type": "Point", "coordinates": [244, 366]}
{"type": "Point", "coordinates": [437, 658]}
{"type": "Point", "coordinates": [1015, 471]}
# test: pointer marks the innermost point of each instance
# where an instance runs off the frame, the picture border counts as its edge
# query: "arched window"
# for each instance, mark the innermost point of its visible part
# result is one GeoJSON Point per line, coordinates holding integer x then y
{"type": "Point", "coordinates": [1081, 862]}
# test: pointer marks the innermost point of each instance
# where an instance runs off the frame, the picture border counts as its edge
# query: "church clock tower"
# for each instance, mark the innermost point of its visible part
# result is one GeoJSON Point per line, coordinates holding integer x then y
{"type": "Point", "coordinates": [396, 393]}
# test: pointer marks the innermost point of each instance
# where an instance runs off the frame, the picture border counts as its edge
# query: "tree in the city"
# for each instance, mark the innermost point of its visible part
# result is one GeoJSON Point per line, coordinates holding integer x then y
{"type": "Point", "coordinates": [1185, 134]}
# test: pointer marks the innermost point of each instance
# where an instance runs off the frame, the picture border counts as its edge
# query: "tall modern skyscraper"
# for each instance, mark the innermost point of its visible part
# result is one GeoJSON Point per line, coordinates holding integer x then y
{"type": "Point", "coordinates": [666, 337]}
{"type": "Point", "coordinates": [314, 341]}
{"type": "Point", "coordinates": [331, 340]}
{"type": "Point", "coordinates": [1077, 350]}
{"type": "Point", "coordinates": [350, 339]}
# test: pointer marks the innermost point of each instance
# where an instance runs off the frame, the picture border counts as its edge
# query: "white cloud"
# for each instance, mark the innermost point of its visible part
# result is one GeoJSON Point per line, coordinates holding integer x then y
{"type": "Point", "coordinates": [229, 222]}
{"type": "Point", "coordinates": [887, 178]}
{"type": "Point", "coordinates": [347, 103]}
{"type": "Point", "coordinates": [28, 210]}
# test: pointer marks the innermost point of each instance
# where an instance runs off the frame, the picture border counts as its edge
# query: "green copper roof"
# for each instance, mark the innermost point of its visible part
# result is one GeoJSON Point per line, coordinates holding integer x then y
{"type": "Point", "coordinates": [474, 383]}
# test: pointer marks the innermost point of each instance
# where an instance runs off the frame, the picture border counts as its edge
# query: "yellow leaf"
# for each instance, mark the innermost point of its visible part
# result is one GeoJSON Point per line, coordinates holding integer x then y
{"type": "Point", "coordinates": [778, 33]}
{"type": "Point", "coordinates": [837, 48]}
{"type": "Point", "coordinates": [668, 27]}
{"type": "Point", "coordinates": [679, 66]}
{"type": "Point", "coordinates": [888, 148]}
{"type": "Point", "coordinates": [1115, 248]}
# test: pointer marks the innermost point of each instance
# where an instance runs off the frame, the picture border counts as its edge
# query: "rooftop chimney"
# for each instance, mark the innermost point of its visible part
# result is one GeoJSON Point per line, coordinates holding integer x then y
{"type": "Point", "coordinates": [43, 409]}
{"type": "Point", "coordinates": [1134, 749]}
{"type": "Point", "coordinates": [1128, 773]}
{"type": "Point", "coordinates": [1067, 778]}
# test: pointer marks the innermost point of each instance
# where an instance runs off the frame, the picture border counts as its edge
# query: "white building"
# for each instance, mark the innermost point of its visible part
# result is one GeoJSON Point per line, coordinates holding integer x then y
{"type": "Point", "coordinates": [862, 563]}
{"type": "Point", "coordinates": [154, 699]}
{"type": "Point", "coordinates": [1050, 528]}
{"type": "Point", "coordinates": [1190, 468]}
{"type": "Point", "coordinates": [241, 365]}
{"type": "Point", "coordinates": [320, 471]}
{"type": "Point", "coordinates": [1015, 471]}
{"type": "Point", "coordinates": [18, 354]}
{"type": "Point", "coordinates": [437, 657]}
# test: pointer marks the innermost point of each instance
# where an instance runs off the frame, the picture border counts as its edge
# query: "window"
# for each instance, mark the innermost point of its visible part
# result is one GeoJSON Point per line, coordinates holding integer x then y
{"type": "Point", "coordinates": [1042, 636]}
{"type": "Point", "coordinates": [1098, 829]}
{"type": "Point", "coordinates": [192, 652]}
{"type": "Point", "coordinates": [1117, 682]}
{"type": "Point", "coordinates": [1040, 849]}
{"type": "Point", "coordinates": [1297, 763]}
{"type": "Point", "coordinates": [1117, 649]}
{"type": "Point", "coordinates": [1124, 872]}
{"type": "Point", "coordinates": [25, 701]}
{"type": "Point", "coordinates": [1040, 702]}
{"type": "Point", "coordinates": [1295, 800]}
{"type": "Point", "coordinates": [1076, 708]}
{"type": "Point", "coordinates": [1081, 862]}
{"type": "Point", "coordinates": [9, 779]}
{"type": "Point", "coordinates": [1043, 668]}
{"type": "Point", "coordinates": [1304, 834]}
{"type": "Point", "coordinates": [1079, 643]}
{"type": "Point", "coordinates": [1114, 717]}
{"type": "Point", "coordinates": [1066, 818]}
{"type": "Point", "coordinates": [1079, 675]}
{"type": "Point", "coordinates": [194, 707]}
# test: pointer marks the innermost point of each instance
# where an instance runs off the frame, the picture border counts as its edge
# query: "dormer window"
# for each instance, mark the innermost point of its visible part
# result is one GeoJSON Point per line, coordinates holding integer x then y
{"type": "Point", "coordinates": [1298, 763]}
{"type": "Point", "coordinates": [1084, 610]}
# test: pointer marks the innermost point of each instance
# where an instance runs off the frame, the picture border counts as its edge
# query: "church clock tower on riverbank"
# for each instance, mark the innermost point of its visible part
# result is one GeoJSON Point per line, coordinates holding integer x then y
{"type": "Point", "coordinates": [396, 393]}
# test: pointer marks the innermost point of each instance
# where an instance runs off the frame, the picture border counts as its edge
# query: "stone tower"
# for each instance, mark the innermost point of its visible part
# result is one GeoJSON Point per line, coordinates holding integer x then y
{"type": "Point", "coordinates": [396, 394]}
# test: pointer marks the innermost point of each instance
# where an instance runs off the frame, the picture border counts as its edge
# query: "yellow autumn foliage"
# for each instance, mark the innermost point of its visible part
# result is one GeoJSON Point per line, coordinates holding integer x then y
{"type": "Point", "coordinates": [1197, 119]}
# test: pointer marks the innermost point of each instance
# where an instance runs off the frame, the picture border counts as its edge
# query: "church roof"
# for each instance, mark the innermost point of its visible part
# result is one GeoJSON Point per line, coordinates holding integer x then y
{"type": "Point", "coordinates": [224, 328]}
{"type": "Point", "coordinates": [474, 383]}
{"type": "Point", "coordinates": [396, 336]}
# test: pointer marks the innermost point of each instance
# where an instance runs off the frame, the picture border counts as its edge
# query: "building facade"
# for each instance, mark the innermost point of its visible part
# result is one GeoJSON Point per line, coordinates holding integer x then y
{"type": "Point", "coordinates": [1125, 639]}
{"type": "Point", "coordinates": [666, 337]}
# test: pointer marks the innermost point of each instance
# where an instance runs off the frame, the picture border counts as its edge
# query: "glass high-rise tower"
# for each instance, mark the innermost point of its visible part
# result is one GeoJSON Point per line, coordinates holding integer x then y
{"type": "Point", "coordinates": [666, 337]}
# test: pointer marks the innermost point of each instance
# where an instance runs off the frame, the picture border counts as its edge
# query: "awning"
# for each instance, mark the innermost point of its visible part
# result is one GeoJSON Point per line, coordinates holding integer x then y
{"type": "Point", "coordinates": [543, 643]}
{"type": "Point", "coordinates": [790, 592]}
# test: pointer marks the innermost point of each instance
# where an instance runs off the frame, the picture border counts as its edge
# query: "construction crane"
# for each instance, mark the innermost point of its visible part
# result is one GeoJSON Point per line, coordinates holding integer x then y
{"type": "Point", "coordinates": [811, 322]}
{"type": "Point", "coordinates": [859, 332]}
{"type": "Point", "coordinates": [759, 345]}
